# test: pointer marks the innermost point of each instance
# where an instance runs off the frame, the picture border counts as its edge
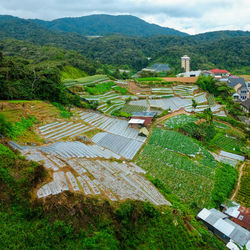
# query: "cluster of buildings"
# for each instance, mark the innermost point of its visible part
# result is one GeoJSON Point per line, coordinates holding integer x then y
{"type": "Point", "coordinates": [241, 87]}
{"type": "Point", "coordinates": [142, 120]}
{"type": "Point", "coordinates": [232, 225]}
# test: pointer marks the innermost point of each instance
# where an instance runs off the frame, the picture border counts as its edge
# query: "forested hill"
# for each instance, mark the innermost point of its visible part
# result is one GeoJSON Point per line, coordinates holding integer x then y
{"type": "Point", "coordinates": [100, 25]}
{"type": "Point", "coordinates": [225, 49]}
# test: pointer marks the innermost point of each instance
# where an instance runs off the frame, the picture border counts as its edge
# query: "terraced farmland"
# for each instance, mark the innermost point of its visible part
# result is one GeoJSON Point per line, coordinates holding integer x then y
{"type": "Point", "coordinates": [60, 130]}
{"type": "Point", "coordinates": [112, 125]}
{"type": "Point", "coordinates": [86, 80]}
{"type": "Point", "coordinates": [191, 181]}
{"type": "Point", "coordinates": [112, 180]}
{"type": "Point", "coordinates": [121, 145]}
{"type": "Point", "coordinates": [133, 108]}
{"type": "Point", "coordinates": [184, 166]}
{"type": "Point", "coordinates": [227, 143]}
{"type": "Point", "coordinates": [179, 121]}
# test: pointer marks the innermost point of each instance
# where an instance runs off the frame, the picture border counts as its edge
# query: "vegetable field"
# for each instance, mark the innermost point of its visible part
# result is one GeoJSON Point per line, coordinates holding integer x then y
{"type": "Point", "coordinates": [182, 164]}
{"type": "Point", "coordinates": [192, 182]}
{"type": "Point", "coordinates": [86, 80]}
{"type": "Point", "coordinates": [133, 108]}
{"type": "Point", "coordinates": [227, 143]}
{"type": "Point", "coordinates": [179, 121]}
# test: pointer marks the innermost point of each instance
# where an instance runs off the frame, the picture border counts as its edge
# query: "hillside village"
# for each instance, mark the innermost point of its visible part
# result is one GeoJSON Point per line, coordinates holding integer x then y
{"type": "Point", "coordinates": [118, 142]}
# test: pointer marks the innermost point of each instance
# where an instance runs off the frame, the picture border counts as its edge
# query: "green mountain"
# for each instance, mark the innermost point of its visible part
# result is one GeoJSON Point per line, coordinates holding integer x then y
{"type": "Point", "coordinates": [101, 25]}
{"type": "Point", "coordinates": [226, 49]}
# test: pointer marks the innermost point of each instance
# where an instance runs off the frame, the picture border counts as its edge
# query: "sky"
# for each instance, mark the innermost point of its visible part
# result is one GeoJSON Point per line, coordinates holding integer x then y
{"type": "Point", "coordinates": [191, 16]}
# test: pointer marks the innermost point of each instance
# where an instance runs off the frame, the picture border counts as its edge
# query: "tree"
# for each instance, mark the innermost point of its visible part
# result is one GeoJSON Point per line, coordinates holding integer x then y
{"type": "Point", "coordinates": [194, 104]}
{"type": "Point", "coordinates": [208, 115]}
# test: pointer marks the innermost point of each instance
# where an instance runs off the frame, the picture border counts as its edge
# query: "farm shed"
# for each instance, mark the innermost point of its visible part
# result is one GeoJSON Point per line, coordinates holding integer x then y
{"type": "Point", "coordinates": [143, 132]}
{"type": "Point", "coordinates": [146, 116]}
{"type": "Point", "coordinates": [220, 224]}
{"type": "Point", "coordinates": [136, 122]}
{"type": "Point", "coordinates": [239, 214]}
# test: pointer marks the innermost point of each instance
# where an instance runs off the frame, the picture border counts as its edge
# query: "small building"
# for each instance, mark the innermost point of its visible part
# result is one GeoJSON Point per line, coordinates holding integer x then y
{"type": "Point", "coordinates": [135, 123]}
{"type": "Point", "coordinates": [246, 105]}
{"type": "Point", "coordinates": [143, 132]}
{"type": "Point", "coordinates": [240, 87]}
{"type": "Point", "coordinates": [190, 74]}
{"type": "Point", "coordinates": [227, 230]}
{"type": "Point", "coordinates": [147, 116]}
{"type": "Point", "coordinates": [160, 67]}
{"type": "Point", "coordinates": [239, 214]}
{"type": "Point", "coordinates": [220, 73]}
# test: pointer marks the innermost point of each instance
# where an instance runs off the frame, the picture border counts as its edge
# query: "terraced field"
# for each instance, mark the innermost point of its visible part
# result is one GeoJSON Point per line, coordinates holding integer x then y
{"type": "Point", "coordinates": [227, 143]}
{"type": "Point", "coordinates": [60, 130]}
{"type": "Point", "coordinates": [112, 125]}
{"type": "Point", "coordinates": [112, 180]}
{"type": "Point", "coordinates": [179, 121]}
{"type": "Point", "coordinates": [86, 80]}
{"type": "Point", "coordinates": [184, 167]}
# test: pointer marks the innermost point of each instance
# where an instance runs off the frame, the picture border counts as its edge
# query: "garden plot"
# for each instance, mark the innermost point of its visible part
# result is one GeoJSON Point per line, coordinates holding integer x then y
{"type": "Point", "coordinates": [141, 103]}
{"type": "Point", "coordinates": [179, 120]}
{"type": "Point", "coordinates": [112, 125]}
{"type": "Point", "coordinates": [118, 144]}
{"type": "Point", "coordinates": [200, 98]}
{"type": "Point", "coordinates": [60, 130]}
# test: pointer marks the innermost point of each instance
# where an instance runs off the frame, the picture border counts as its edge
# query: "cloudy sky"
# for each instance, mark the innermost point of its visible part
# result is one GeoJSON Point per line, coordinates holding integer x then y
{"type": "Point", "coordinates": [191, 16]}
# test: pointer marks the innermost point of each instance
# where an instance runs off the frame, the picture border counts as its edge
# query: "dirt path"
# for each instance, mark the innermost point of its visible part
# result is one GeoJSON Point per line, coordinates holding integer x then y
{"type": "Point", "coordinates": [180, 111]}
{"type": "Point", "coordinates": [238, 182]}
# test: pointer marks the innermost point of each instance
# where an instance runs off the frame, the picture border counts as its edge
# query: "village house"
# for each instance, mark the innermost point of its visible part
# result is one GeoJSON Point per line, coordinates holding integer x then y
{"type": "Point", "coordinates": [147, 116]}
{"type": "Point", "coordinates": [227, 230]}
{"type": "Point", "coordinates": [240, 87]}
{"type": "Point", "coordinates": [246, 105]}
{"type": "Point", "coordinates": [220, 73]}
{"type": "Point", "coordinates": [239, 214]}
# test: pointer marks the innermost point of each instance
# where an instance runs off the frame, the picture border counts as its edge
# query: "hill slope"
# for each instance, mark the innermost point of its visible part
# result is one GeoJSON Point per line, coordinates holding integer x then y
{"type": "Point", "coordinates": [107, 25]}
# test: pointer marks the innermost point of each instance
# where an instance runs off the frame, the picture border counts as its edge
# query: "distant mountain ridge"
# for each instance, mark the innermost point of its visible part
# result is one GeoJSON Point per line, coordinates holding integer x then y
{"type": "Point", "coordinates": [101, 24]}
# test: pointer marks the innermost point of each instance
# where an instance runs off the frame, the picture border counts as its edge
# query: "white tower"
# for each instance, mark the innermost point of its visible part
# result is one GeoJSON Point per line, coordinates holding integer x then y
{"type": "Point", "coordinates": [185, 63]}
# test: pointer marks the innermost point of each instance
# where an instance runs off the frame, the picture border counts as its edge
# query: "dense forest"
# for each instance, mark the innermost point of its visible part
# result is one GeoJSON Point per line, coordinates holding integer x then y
{"type": "Point", "coordinates": [225, 49]}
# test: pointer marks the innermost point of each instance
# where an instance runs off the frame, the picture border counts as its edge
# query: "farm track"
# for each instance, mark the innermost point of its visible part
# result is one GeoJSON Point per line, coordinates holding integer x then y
{"type": "Point", "coordinates": [238, 182]}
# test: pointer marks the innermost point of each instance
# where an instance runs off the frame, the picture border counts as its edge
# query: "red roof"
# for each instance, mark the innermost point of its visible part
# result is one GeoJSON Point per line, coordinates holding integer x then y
{"type": "Point", "coordinates": [147, 120]}
{"type": "Point", "coordinates": [218, 71]}
{"type": "Point", "coordinates": [243, 219]}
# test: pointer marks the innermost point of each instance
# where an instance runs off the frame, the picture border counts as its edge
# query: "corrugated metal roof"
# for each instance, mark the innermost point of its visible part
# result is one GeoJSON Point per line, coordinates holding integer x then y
{"type": "Point", "coordinates": [145, 114]}
{"type": "Point", "coordinates": [224, 227]}
{"type": "Point", "coordinates": [136, 121]}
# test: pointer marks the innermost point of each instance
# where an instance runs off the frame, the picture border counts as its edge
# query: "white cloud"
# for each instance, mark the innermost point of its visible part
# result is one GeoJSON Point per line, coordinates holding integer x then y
{"type": "Point", "coordinates": [193, 16]}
